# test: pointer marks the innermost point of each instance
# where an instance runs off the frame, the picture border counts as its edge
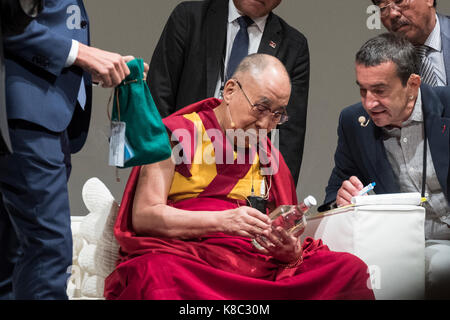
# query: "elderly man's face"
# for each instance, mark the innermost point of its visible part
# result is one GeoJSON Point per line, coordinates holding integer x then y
{"type": "Point", "coordinates": [270, 91]}
{"type": "Point", "coordinates": [256, 8]}
{"type": "Point", "coordinates": [415, 22]}
{"type": "Point", "coordinates": [383, 95]}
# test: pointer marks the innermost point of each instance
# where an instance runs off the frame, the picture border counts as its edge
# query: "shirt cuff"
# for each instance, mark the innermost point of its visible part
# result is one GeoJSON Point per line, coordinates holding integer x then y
{"type": "Point", "coordinates": [73, 54]}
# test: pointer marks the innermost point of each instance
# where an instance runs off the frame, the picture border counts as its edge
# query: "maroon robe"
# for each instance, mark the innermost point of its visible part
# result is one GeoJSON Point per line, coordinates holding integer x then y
{"type": "Point", "coordinates": [220, 266]}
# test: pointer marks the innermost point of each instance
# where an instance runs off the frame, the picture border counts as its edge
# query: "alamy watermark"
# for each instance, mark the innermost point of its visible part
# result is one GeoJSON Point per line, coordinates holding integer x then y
{"type": "Point", "coordinates": [238, 146]}
{"type": "Point", "coordinates": [374, 19]}
{"type": "Point", "coordinates": [74, 281]}
{"type": "Point", "coordinates": [374, 281]}
{"type": "Point", "coordinates": [74, 17]}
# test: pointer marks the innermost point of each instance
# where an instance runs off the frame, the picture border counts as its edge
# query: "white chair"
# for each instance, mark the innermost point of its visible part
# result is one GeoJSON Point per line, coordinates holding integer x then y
{"type": "Point", "coordinates": [95, 249]}
{"type": "Point", "coordinates": [388, 238]}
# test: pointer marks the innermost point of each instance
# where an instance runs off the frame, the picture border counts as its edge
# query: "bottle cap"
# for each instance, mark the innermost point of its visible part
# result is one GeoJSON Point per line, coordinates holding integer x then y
{"type": "Point", "coordinates": [310, 201]}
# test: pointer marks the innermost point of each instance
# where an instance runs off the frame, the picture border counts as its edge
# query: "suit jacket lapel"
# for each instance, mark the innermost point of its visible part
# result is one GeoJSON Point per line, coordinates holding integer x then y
{"type": "Point", "coordinates": [216, 31]}
{"type": "Point", "coordinates": [272, 37]}
{"type": "Point", "coordinates": [437, 128]}
{"type": "Point", "coordinates": [445, 37]}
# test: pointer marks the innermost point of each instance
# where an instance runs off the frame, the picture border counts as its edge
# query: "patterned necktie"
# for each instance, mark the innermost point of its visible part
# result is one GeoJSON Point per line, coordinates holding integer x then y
{"type": "Point", "coordinates": [426, 68]}
{"type": "Point", "coordinates": [240, 45]}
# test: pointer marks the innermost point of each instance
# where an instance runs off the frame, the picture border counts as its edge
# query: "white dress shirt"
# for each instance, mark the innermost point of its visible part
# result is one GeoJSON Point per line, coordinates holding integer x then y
{"type": "Point", "coordinates": [404, 150]}
{"type": "Point", "coordinates": [73, 54]}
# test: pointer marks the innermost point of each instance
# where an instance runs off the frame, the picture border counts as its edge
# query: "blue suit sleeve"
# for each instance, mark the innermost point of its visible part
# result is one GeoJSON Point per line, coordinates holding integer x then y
{"type": "Point", "coordinates": [41, 47]}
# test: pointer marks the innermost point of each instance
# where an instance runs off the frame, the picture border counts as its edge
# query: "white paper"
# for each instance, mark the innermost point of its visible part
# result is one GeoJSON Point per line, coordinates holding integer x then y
{"type": "Point", "coordinates": [412, 198]}
{"type": "Point", "coordinates": [117, 144]}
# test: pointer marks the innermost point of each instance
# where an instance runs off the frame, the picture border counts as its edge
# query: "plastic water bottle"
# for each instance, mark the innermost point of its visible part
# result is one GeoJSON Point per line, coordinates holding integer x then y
{"type": "Point", "coordinates": [290, 217]}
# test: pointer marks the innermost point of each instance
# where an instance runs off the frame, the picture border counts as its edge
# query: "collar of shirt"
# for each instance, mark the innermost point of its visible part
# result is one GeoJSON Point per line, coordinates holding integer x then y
{"type": "Point", "coordinates": [434, 39]}
{"type": "Point", "coordinates": [416, 116]}
{"type": "Point", "coordinates": [234, 13]}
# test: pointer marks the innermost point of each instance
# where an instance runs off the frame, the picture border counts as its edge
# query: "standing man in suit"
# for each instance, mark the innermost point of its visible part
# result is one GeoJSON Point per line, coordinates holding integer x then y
{"type": "Point", "coordinates": [429, 31]}
{"type": "Point", "coordinates": [49, 72]}
{"type": "Point", "coordinates": [202, 43]}
{"type": "Point", "coordinates": [398, 136]}
{"type": "Point", "coordinates": [14, 17]}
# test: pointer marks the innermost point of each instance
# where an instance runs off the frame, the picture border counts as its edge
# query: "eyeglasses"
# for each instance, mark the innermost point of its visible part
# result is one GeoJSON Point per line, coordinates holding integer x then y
{"type": "Point", "coordinates": [260, 111]}
{"type": "Point", "coordinates": [385, 9]}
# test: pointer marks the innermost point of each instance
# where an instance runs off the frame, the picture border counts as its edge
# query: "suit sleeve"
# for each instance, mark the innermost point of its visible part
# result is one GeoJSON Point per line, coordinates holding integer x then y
{"type": "Point", "coordinates": [344, 166]}
{"type": "Point", "coordinates": [41, 47]}
{"type": "Point", "coordinates": [167, 61]}
{"type": "Point", "coordinates": [292, 133]}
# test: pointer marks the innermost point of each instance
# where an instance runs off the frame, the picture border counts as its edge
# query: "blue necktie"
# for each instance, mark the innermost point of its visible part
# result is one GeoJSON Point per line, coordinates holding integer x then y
{"type": "Point", "coordinates": [240, 45]}
{"type": "Point", "coordinates": [82, 94]}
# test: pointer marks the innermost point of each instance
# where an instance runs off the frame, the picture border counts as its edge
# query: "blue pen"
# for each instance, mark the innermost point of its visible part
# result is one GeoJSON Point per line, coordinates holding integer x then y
{"type": "Point", "coordinates": [367, 188]}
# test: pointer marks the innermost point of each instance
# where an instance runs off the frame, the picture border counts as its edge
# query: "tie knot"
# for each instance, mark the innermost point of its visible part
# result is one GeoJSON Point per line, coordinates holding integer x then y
{"type": "Point", "coordinates": [244, 21]}
{"type": "Point", "coordinates": [422, 51]}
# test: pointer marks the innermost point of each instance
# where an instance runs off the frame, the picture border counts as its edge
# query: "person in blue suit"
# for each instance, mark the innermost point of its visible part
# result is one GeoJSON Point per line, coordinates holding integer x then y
{"type": "Point", "coordinates": [398, 137]}
{"type": "Point", "coordinates": [15, 15]}
{"type": "Point", "coordinates": [49, 70]}
{"type": "Point", "coordinates": [419, 22]}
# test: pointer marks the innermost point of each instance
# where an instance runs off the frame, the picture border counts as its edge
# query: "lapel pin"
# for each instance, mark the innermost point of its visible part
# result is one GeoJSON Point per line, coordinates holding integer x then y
{"type": "Point", "coordinates": [272, 44]}
{"type": "Point", "coordinates": [443, 128]}
{"type": "Point", "coordinates": [362, 121]}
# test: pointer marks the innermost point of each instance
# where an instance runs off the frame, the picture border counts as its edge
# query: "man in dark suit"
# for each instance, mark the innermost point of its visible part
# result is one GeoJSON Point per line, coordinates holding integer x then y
{"type": "Point", "coordinates": [191, 60]}
{"type": "Point", "coordinates": [429, 31]}
{"type": "Point", "coordinates": [14, 17]}
{"type": "Point", "coordinates": [397, 133]}
{"type": "Point", "coordinates": [49, 72]}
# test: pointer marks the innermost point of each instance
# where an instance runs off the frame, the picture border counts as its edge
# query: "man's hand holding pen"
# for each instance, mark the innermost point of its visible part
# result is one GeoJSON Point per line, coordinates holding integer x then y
{"type": "Point", "coordinates": [352, 187]}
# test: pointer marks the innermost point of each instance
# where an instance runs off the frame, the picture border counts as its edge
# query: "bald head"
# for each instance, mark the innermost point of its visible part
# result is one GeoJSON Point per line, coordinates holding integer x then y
{"type": "Point", "coordinates": [259, 65]}
{"type": "Point", "coordinates": [266, 72]}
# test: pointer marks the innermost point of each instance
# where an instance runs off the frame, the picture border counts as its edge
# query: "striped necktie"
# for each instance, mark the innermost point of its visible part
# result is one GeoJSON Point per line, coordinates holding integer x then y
{"type": "Point", "coordinates": [427, 71]}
